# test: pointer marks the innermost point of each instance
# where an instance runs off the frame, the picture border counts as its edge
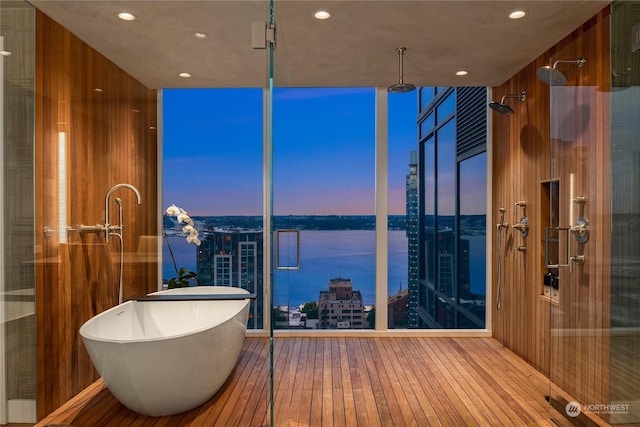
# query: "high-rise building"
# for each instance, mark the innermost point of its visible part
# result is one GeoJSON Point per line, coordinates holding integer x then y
{"type": "Point", "coordinates": [450, 229]}
{"type": "Point", "coordinates": [412, 238]}
{"type": "Point", "coordinates": [341, 307]}
{"type": "Point", "coordinates": [233, 257]}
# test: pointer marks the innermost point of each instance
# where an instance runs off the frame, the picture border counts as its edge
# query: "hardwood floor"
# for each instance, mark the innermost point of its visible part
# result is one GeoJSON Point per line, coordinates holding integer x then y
{"type": "Point", "coordinates": [352, 382]}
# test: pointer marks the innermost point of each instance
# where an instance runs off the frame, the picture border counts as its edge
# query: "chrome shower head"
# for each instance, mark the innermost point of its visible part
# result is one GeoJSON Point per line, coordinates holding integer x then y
{"type": "Point", "coordinates": [401, 87]}
{"type": "Point", "coordinates": [500, 107]}
{"type": "Point", "coordinates": [503, 108]}
{"type": "Point", "coordinates": [552, 76]}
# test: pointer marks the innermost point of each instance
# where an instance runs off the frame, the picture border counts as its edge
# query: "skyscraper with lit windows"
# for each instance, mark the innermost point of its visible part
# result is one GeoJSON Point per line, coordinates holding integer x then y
{"type": "Point", "coordinates": [412, 237]}
{"type": "Point", "coordinates": [233, 257]}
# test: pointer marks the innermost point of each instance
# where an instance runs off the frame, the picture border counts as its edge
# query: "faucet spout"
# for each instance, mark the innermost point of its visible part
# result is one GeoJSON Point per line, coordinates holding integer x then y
{"type": "Point", "coordinates": [107, 199]}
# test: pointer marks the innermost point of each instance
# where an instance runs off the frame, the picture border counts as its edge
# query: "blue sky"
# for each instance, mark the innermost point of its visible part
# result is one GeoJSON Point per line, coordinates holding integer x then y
{"type": "Point", "coordinates": [324, 150]}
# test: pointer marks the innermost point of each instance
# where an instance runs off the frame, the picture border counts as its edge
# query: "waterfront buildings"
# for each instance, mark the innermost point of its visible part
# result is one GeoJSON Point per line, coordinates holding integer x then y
{"type": "Point", "coordinates": [341, 307]}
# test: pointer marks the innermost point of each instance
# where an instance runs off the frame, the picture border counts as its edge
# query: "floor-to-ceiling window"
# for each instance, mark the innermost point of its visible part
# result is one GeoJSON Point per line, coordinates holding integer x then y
{"type": "Point", "coordinates": [324, 186]}
{"type": "Point", "coordinates": [212, 168]}
{"type": "Point", "coordinates": [452, 176]}
{"type": "Point", "coordinates": [402, 211]}
{"type": "Point", "coordinates": [324, 189]}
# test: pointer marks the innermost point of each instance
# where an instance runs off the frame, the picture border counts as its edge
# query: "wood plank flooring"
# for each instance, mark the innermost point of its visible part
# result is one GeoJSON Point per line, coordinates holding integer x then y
{"type": "Point", "coordinates": [352, 382]}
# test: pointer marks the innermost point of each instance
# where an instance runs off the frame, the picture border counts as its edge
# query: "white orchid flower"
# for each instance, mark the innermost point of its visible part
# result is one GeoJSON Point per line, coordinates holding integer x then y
{"type": "Point", "coordinates": [173, 210]}
{"type": "Point", "coordinates": [183, 275]}
{"type": "Point", "coordinates": [188, 229]}
{"type": "Point", "coordinates": [193, 238]}
{"type": "Point", "coordinates": [184, 218]}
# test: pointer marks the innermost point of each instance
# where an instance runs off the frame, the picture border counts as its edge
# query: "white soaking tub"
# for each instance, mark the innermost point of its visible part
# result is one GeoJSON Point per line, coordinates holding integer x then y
{"type": "Point", "coordinates": [162, 357]}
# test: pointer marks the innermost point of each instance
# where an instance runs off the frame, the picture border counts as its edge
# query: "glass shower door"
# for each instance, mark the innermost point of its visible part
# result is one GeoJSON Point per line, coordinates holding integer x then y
{"type": "Point", "coordinates": [624, 363]}
{"type": "Point", "coordinates": [577, 255]}
{"type": "Point", "coordinates": [17, 282]}
{"type": "Point", "coordinates": [594, 210]}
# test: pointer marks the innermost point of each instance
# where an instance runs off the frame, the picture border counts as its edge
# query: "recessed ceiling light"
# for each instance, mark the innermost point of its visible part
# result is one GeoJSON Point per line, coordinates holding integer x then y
{"type": "Point", "coordinates": [517, 14]}
{"type": "Point", "coordinates": [461, 73]}
{"type": "Point", "coordinates": [185, 75]}
{"type": "Point", "coordinates": [322, 14]}
{"type": "Point", "coordinates": [200, 35]}
{"type": "Point", "coordinates": [97, 90]}
{"type": "Point", "coordinates": [126, 16]}
{"type": "Point", "coordinates": [5, 53]}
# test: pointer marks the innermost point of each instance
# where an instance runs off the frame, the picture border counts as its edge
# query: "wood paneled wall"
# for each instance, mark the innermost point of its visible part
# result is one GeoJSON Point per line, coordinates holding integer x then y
{"type": "Point", "coordinates": [567, 339]}
{"type": "Point", "coordinates": [109, 122]}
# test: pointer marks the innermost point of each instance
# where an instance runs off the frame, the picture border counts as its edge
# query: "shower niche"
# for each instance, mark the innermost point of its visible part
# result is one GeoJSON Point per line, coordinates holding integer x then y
{"type": "Point", "coordinates": [549, 214]}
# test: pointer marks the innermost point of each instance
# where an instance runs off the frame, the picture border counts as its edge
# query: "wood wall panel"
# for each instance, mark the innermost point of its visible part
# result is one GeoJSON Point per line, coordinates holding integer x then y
{"type": "Point", "coordinates": [111, 139]}
{"type": "Point", "coordinates": [567, 340]}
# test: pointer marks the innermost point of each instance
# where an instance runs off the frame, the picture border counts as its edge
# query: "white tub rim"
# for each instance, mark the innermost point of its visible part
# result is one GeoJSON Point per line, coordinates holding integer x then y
{"type": "Point", "coordinates": [178, 291]}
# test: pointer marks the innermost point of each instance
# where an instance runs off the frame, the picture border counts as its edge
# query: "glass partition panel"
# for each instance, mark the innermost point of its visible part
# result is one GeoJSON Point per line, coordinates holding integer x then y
{"type": "Point", "coordinates": [17, 281]}
{"type": "Point", "coordinates": [594, 211]}
{"type": "Point", "coordinates": [624, 363]}
{"type": "Point", "coordinates": [323, 185]}
{"type": "Point", "coordinates": [578, 344]}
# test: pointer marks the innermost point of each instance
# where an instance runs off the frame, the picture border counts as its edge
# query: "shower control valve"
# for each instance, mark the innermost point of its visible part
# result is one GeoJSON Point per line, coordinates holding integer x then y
{"type": "Point", "coordinates": [522, 226]}
{"type": "Point", "coordinates": [581, 230]}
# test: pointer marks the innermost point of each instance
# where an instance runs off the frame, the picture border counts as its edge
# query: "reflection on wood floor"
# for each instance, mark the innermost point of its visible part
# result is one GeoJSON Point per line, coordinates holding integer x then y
{"type": "Point", "coordinates": [352, 381]}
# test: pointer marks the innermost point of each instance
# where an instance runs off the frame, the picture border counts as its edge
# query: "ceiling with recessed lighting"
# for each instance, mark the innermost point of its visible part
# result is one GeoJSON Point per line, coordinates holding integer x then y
{"type": "Point", "coordinates": [356, 46]}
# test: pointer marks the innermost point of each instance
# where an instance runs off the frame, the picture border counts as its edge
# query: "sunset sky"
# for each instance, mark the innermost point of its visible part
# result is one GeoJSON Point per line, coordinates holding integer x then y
{"type": "Point", "coordinates": [324, 150]}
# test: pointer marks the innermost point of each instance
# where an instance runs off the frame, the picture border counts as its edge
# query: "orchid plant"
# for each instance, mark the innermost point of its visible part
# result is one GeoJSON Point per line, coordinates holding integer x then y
{"type": "Point", "coordinates": [183, 275]}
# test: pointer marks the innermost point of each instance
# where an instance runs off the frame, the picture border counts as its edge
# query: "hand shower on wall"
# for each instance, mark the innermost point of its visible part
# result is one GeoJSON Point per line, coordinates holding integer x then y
{"type": "Point", "coordinates": [552, 76]}
{"type": "Point", "coordinates": [522, 224]}
{"type": "Point", "coordinates": [503, 108]}
{"type": "Point", "coordinates": [502, 225]}
{"type": "Point", "coordinates": [116, 230]}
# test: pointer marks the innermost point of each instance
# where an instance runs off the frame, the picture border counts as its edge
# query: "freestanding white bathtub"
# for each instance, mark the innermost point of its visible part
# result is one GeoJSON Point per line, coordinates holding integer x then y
{"type": "Point", "coordinates": [166, 357]}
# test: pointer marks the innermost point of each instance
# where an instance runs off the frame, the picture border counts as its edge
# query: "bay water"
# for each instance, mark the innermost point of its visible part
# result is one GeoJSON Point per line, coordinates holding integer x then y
{"type": "Point", "coordinates": [330, 254]}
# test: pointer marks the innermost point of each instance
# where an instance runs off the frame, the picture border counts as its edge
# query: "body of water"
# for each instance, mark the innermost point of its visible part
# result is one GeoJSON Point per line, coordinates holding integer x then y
{"type": "Point", "coordinates": [329, 254]}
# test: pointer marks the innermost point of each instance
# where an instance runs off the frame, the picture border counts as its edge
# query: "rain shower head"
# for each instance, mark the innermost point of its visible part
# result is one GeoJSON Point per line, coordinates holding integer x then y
{"type": "Point", "coordinates": [401, 87]}
{"type": "Point", "coordinates": [550, 74]}
{"type": "Point", "coordinates": [503, 108]}
{"type": "Point", "coordinates": [500, 107]}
